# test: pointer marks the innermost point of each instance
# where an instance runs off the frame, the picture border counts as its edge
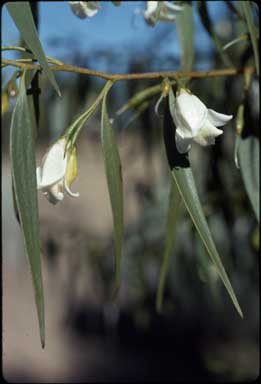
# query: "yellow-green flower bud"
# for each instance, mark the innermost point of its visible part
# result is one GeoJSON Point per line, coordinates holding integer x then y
{"type": "Point", "coordinates": [72, 169]}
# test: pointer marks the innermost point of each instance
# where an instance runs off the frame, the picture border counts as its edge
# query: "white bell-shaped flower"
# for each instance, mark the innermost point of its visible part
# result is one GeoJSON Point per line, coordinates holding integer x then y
{"type": "Point", "coordinates": [57, 172]}
{"type": "Point", "coordinates": [84, 9]}
{"type": "Point", "coordinates": [167, 13]}
{"type": "Point", "coordinates": [195, 122]}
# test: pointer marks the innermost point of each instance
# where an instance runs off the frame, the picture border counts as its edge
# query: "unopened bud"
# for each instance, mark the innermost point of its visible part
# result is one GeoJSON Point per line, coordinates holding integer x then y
{"type": "Point", "coordinates": [165, 88]}
{"type": "Point", "coordinates": [72, 169]}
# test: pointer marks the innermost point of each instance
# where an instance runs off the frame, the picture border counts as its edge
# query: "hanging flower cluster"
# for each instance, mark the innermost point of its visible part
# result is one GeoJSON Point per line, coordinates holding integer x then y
{"type": "Point", "coordinates": [167, 12]}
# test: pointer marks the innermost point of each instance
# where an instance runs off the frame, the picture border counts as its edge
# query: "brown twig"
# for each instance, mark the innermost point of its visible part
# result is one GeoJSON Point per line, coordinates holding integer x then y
{"type": "Point", "coordinates": [133, 76]}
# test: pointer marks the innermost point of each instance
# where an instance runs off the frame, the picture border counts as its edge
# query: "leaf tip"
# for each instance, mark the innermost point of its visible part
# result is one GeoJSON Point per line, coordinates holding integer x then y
{"type": "Point", "coordinates": [42, 341]}
{"type": "Point", "coordinates": [240, 312]}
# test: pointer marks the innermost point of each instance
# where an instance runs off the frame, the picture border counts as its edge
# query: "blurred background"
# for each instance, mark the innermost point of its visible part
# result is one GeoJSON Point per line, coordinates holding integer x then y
{"type": "Point", "coordinates": [89, 337]}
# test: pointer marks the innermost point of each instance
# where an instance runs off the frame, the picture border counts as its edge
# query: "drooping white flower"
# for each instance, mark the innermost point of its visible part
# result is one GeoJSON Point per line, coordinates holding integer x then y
{"type": "Point", "coordinates": [57, 172]}
{"type": "Point", "coordinates": [167, 12]}
{"type": "Point", "coordinates": [195, 122]}
{"type": "Point", "coordinates": [84, 9]}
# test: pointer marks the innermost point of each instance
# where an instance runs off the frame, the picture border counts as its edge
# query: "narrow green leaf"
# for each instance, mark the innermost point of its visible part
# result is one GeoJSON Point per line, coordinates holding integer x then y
{"type": "Point", "coordinates": [248, 156]}
{"type": "Point", "coordinates": [185, 29]}
{"type": "Point", "coordinates": [138, 112]}
{"type": "Point", "coordinates": [140, 97]}
{"type": "Point", "coordinates": [172, 217]}
{"type": "Point", "coordinates": [28, 79]}
{"type": "Point", "coordinates": [114, 182]}
{"type": "Point", "coordinates": [21, 14]}
{"type": "Point", "coordinates": [206, 22]}
{"type": "Point", "coordinates": [182, 174]}
{"type": "Point", "coordinates": [246, 10]}
{"type": "Point", "coordinates": [22, 153]}
{"type": "Point", "coordinates": [186, 185]}
{"type": "Point", "coordinates": [30, 75]}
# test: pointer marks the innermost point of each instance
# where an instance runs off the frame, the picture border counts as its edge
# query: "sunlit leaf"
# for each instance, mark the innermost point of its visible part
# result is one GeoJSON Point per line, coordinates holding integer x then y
{"type": "Point", "coordinates": [182, 174]}
{"type": "Point", "coordinates": [21, 14]}
{"type": "Point", "coordinates": [114, 182]}
{"type": "Point", "coordinates": [248, 156]}
{"type": "Point", "coordinates": [22, 153]}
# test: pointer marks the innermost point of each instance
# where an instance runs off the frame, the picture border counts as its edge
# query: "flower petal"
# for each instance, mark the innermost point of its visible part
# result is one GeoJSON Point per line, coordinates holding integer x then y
{"type": "Point", "coordinates": [167, 17]}
{"type": "Point", "coordinates": [54, 199]}
{"type": "Point", "coordinates": [70, 193]}
{"type": "Point", "coordinates": [190, 114]}
{"type": "Point", "coordinates": [54, 165]}
{"type": "Point", "coordinates": [206, 135]}
{"type": "Point", "coordinates": [151, 7]}
{"type": "Point", "coordinates": [173, 7]}
{"type": "Point", "coordinates": [218, 119]}
{"type": "Point", "coordinates": [149, 13]}
{"type": "Point", "coordinates": [183, 144]}
{"type": "Point", "coordinates": [84, 9]}
{"type": "Point", "coordinates": [54, 194]}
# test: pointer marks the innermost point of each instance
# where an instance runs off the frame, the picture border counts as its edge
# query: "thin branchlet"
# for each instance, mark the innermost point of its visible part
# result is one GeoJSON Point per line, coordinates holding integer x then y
{"type": "Point", "coordinates": [132, 76]}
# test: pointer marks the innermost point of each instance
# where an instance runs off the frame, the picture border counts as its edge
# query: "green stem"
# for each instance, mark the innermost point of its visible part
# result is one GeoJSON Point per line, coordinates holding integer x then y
{"type": "Point", "coordinates": [74, 129]}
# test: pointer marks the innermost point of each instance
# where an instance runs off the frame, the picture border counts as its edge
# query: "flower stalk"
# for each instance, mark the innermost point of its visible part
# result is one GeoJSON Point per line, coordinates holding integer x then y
{"type": "Point", "coordinates": [74, 129]}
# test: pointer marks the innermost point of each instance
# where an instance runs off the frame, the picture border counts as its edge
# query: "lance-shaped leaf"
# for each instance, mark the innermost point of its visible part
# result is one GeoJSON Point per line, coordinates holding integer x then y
{"type": "Point", "coordinates": [185, 29]}
{"type": "Point", "coordinates": [172, 217]}
{"type": "Point", "coordinates": [21, 14]}
{"type": "Point", "coordinates": [28, 80]}
{"type": "Point", "coordinates": [22, 153]}
{"type": "Point", "coordinates": [114, 182]}
{"type": "Point", "coordinates": [246, 10]}
{"type": "Point", "coordinates": [249, 163]}
{"type": "Point", "coordinates": [182, 174]}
